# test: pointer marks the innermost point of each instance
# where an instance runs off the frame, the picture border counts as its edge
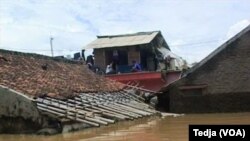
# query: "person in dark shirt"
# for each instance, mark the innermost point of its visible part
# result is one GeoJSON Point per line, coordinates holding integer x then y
{"type": "Point", "coordinates": [90, 61]}
{"type": "Point", "coordinates": [136, 66]}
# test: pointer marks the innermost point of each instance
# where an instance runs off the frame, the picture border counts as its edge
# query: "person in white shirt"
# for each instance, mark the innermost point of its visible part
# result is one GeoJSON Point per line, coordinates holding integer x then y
{"type": "Point", "coordinates": [109, 69]}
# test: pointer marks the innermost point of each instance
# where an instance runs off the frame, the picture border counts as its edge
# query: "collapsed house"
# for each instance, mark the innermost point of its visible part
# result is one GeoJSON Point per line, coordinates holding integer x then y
{"type": "Point", "coordinates": [219, 83]}
{"type": "Point", "coordinates": [147, 48]}
{"type": "Point", "coordinates": [41, 94]}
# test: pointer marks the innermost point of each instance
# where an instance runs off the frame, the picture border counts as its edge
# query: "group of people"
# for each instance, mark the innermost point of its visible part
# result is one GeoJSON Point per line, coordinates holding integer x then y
{"type": "Point", "coordinates": [112, 67]}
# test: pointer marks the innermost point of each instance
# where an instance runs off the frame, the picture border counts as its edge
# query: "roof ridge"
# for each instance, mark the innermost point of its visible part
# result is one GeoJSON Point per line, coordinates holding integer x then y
{"type": "Point", "coordinates": [128, 34]}
{"type": "Point", "coordinates": [38, 56]}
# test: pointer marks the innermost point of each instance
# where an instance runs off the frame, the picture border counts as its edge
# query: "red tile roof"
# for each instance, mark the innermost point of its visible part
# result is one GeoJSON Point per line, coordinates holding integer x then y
{"type": "Point", "coordinates": [37, 75]}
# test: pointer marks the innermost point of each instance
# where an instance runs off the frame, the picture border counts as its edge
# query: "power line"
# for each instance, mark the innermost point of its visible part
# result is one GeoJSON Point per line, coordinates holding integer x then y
{"type": "Point", "coordinates": [52, 50]}
{"type": "Point", "coordinates": [196, 43]}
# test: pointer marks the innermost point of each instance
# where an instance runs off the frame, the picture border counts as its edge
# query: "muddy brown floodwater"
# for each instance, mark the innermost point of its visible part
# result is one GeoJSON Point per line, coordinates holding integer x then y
{"type": "Point", "coordinates": [147, 129]}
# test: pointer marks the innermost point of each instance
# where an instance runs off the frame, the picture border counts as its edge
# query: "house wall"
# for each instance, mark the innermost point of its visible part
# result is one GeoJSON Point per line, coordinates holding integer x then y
{"type": "Point", "coordinates": [198, 101]}
{"type": "Point", "coordinates": [100, 58]}
{"type": "Point", "coordinates": [228, 83]}
{"type": "Point", "coordinates": [133, 54]}
{"type": "Point", "coordinates": [18, 114]}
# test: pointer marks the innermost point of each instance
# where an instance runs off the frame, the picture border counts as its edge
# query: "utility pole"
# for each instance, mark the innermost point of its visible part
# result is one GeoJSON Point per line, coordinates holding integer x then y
{"type": "Point", "coordinates": [51, 46]}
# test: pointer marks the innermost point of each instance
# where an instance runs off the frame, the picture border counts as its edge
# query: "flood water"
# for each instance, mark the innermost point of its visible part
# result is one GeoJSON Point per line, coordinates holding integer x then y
{"type": "Point", "coordinates": [147, 129]}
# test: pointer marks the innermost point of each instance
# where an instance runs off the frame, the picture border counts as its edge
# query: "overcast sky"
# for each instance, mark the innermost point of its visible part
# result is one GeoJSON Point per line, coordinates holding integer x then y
{"type": "Point", "coordinates": [192, 28]}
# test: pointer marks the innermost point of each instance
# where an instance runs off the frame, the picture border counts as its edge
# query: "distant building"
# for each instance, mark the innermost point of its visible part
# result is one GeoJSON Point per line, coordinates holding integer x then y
{"type": "Point", "coordinates": [219, 83]}
{"type": "Point", "coordinates": [60, 57]}
{"type": "Point", "coordinates": [77, 56]}
{"type": "Point", "coordinates": [68, 56]}
{"type": "Point", "coordinates": [147, 48]}
{"type": "Point", "coordinates": [148, 51]}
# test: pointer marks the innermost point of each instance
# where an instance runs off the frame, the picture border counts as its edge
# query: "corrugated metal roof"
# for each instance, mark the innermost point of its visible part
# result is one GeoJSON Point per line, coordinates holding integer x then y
{"type": "Point", "coordinates": [122, 40]}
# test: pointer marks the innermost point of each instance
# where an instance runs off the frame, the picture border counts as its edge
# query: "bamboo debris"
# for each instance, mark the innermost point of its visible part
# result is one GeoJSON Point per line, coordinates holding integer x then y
{"type": "Point", "coordinates": [111, 114]}
{"type": "Point", "coordinates": [53, 107]}
{"type": "Point", "coordinates": [105, 119]}
{"type": "Point", "coordinates": [132, 95]}
{"type": "Point", "coordinates": [46, 109]}
{"type": "Point", "coordinates": [105, 108]}
{"type": "Point", "coordinates": [100, 105]}
{"type": "Point", "coordinates": [140, 106]}
{"type": "Point", "coordinates": [97, 109]}
{"type": "Point", "coordinates": [130, 112]}
{"type": "Point", "coordinates": [108, 113]}
{"type": "Point", "coordinates": [126, 108]}
{"type": "Point", "coordinates": [129, 86]}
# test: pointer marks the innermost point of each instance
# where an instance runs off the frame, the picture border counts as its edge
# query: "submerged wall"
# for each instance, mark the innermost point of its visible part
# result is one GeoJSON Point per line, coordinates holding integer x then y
{"type": "Point", "coordinates": [18, 114]}
{"type": "Point", "coordinates": [207, 103]}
